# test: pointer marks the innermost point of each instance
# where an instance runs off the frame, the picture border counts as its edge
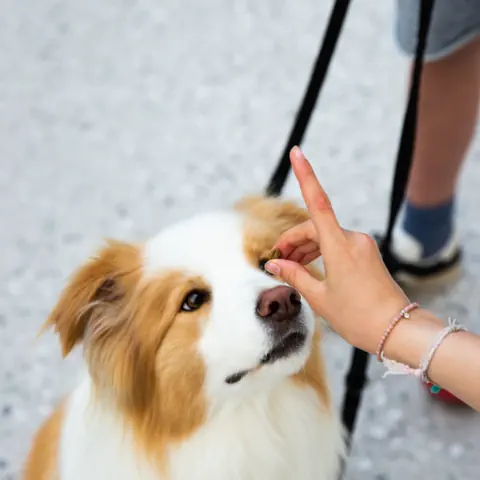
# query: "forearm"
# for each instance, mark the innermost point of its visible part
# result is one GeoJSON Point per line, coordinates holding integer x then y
{"type": "Point", "coordinates": [456, 363]}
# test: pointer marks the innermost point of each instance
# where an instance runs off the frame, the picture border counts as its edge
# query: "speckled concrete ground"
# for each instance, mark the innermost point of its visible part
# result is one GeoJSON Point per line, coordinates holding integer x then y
{"type": "Point", "coordinates": [117, 117]}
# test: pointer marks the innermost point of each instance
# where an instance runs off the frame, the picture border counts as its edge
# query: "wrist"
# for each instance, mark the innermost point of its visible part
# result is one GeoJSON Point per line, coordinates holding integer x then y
{"type": "Point", "coordinates": [412, 337]}
{"type": "Point", "coordinates": [385, 315]}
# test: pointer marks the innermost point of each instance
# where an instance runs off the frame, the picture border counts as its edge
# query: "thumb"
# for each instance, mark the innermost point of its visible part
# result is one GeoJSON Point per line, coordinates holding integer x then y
{"type": "Point", "coordinates": [297, 276]}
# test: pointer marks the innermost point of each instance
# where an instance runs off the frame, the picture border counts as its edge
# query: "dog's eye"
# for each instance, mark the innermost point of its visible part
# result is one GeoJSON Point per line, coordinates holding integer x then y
{"type": "Point", "coordinates": [194, 300]}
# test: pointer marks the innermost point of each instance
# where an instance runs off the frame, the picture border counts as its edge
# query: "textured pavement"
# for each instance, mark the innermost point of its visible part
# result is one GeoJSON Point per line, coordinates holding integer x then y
{"type": "Point", "coordinates": [119, 116]}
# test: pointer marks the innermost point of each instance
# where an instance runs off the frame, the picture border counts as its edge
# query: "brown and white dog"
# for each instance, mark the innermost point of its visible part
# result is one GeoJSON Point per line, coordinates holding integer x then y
{"type": "Point", "coordinates": [199, 364]}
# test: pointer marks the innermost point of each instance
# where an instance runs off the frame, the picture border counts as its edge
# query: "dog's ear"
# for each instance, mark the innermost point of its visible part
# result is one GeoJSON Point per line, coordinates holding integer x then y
{"type": "Point", "coordinates": [282, 214]}
{"type": "Point", "coordinates": [100, 283]}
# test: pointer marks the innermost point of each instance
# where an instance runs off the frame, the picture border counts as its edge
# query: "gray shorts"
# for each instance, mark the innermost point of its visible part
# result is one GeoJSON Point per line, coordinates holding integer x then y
{"type": "Point", "coordinates": [454, 24]}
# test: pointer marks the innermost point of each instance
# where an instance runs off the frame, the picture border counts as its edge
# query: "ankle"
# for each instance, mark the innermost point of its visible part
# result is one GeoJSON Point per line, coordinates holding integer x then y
{"type": "Point", "coordinates": [432, 226]}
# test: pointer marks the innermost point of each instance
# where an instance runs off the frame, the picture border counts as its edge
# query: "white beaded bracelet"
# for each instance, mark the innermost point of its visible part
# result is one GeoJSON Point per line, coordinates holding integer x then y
{"type": "Point", "coordinates": [397, 368]}
{"type": "Point", "coordinates": [427, 360]}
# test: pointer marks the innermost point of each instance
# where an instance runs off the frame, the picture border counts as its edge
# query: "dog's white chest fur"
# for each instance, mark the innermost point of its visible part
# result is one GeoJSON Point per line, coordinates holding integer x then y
{"type": "Point", "coordinates": [279, 435]}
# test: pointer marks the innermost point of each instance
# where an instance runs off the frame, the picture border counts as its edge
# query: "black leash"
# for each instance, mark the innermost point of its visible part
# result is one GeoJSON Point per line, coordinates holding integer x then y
{"type": "Point", "coordinates": [317, 78]}
{"type": "Point", "coordinates": [407, 139]}
{"type": "Point", "coordinates": [356, 378]}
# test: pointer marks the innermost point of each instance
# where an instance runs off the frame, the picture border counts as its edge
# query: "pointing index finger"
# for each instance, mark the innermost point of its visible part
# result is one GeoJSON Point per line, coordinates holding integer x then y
{"type": "Point", "coordinates": [328, 229]}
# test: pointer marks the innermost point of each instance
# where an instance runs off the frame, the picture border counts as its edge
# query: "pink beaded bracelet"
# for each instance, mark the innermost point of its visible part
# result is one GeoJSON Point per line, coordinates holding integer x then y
{"type": "Point", "coordinates": [404, 313]}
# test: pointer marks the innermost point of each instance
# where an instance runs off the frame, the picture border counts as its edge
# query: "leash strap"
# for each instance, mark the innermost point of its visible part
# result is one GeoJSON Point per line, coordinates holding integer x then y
{"type": "Point", "coordinates": [356, 377]}
{"type": "Point", "coordinates": [317, 78]}
{"type": "Point", "coordinates": [407, 140]}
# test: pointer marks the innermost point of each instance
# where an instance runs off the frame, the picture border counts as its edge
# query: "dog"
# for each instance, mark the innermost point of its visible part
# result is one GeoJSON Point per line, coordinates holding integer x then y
{"type": "Point", "coordinates": [198, 363]}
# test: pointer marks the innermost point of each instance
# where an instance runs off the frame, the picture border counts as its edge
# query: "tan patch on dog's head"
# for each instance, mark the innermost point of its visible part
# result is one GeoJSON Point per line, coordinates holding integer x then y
{"type": "Point", "coordinates": [266, 219]}
{"type": "Point", "coordinates": [140, 346]}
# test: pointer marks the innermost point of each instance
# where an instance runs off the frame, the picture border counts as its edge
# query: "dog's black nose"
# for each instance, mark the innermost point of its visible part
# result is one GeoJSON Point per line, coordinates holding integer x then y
{"type": "Point", "coordinates": [279, 305]}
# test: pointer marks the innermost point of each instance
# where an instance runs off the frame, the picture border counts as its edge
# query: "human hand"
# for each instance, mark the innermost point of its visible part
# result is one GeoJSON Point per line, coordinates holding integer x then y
{"type": "Point", "coordinates": [358, 296]}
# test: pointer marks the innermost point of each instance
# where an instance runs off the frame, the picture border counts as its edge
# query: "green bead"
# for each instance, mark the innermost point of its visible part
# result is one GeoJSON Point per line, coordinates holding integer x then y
{"type": "Point", "coordinates": [435, 389]}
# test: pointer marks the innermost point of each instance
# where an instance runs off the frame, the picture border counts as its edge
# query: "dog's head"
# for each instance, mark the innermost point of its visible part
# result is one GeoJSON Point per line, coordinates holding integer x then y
{"type": "Point", "coordinates": [175, 328]}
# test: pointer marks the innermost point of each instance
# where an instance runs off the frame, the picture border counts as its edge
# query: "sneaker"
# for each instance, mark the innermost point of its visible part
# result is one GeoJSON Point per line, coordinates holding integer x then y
{"type": "Point", "coordinates": [409, 269]}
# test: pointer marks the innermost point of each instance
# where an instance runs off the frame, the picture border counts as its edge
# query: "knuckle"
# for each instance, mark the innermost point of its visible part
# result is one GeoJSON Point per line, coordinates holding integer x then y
{"type": "Point", "coordinates": [365, 243]}
{"type": "Point", "coordinates": [293, 276]}
{"type": "Point", "coordinates": [322, 202]}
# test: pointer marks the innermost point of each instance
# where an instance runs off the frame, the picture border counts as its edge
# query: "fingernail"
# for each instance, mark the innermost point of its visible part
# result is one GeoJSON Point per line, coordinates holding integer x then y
{"type": "Point", "coordinates": [297, 154]}
{"type": "Point", "coordinates": [273, 268]}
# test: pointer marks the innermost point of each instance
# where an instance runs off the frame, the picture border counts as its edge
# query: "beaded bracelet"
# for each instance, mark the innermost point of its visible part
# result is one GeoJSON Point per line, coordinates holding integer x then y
{"type": "Point", "coordinates": [404, 313]}
{"type": "Point", "coordinates": [427, 360]}
{"type": "Point", "coordinates": [397, 368]}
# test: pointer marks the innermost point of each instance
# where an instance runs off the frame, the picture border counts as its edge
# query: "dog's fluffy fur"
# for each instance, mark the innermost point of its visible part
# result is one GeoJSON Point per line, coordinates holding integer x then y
{"type": "Point", "coordinates": [154, 403]}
